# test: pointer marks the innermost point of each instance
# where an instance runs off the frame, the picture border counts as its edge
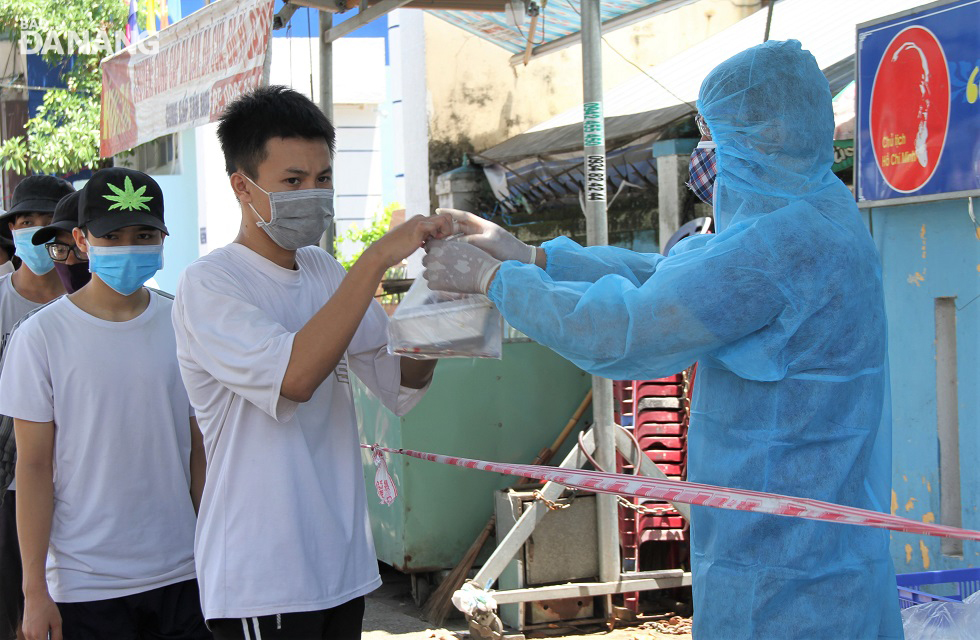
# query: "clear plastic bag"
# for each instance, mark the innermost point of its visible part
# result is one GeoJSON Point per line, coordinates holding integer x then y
{"type": "Point", "coordinates": [943, 620]}
{"type": "Point", "coordinates": [434, 324]}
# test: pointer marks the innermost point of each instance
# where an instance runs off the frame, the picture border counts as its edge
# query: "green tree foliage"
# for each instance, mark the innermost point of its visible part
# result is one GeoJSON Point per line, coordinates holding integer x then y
{"type": "Point", "coordinates": [357, 239]}
{"type": "Point", "coordinates": [64, 135]}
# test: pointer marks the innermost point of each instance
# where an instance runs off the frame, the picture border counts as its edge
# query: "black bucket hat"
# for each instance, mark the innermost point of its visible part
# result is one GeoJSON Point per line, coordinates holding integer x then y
{"type": "Point", "coordinates": [38, 194]}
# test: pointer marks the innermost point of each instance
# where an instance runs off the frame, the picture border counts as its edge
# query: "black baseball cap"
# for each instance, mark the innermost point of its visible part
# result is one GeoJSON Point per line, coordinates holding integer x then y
{"type": "Point", "coordinates": [38, 194]}
{"type": "Point", "coordinates": [65, 219]}
{"type": "Point", "coordinates": [118, 197]}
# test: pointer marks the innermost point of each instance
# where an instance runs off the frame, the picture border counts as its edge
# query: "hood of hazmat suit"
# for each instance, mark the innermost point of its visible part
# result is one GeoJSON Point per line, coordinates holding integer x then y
{"type": "Point", "coordinates": [783, 310]}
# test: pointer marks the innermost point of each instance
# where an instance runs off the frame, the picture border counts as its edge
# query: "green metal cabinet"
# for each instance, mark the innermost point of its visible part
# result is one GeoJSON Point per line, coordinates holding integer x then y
{"type": "Point", "coordinates": [504, 410]}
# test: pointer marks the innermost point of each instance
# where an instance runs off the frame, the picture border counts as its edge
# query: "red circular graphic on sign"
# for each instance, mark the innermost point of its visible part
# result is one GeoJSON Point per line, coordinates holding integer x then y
{"type": "Point", "coordinates": [910, 109]}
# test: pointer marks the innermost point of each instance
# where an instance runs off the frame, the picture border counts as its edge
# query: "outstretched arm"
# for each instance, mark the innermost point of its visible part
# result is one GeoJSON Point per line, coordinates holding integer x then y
{"type": "Point", "coordinates": [314, 356]}
{"type": "Point", "coordinates": [569, 261]}
{"type": "Point", "coordinates": [618, 329]}
{"type": "Point", "coordinates": [562, 258]}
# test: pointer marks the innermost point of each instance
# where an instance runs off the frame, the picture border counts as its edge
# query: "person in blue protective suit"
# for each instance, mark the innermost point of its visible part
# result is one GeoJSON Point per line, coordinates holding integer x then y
{"type": "Point", "coordinates": [782, 310]}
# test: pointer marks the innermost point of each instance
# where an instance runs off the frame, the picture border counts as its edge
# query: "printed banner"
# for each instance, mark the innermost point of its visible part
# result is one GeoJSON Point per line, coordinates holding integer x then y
{"type": "Point", "coordinates": [918, 110]}
{"type": "Point", "coordinates": [198, 66]}
{"type": "Point", "coordinates": [693, 493]}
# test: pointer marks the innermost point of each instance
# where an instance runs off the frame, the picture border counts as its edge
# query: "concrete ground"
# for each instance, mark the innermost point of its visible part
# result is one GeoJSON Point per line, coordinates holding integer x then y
{"type": "Point", "coordinates": [390, 613]}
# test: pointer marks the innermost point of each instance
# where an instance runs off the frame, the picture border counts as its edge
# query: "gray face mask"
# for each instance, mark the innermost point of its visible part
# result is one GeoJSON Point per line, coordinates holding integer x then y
{"type": "Point", "coordinates": [297, 218]}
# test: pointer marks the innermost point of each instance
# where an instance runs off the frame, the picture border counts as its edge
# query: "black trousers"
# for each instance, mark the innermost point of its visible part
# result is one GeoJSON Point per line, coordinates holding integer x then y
{"type": "Point", "coordinates": [11, 575]}
{"type": "Point", "coordinates": [342, 622]}
{"type": "Point", "coordinates": [168, 613]}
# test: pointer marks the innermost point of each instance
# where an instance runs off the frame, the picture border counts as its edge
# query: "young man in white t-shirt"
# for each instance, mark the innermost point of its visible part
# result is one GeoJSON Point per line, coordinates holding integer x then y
{"type": "Point", "coordinates": [33, 284]}
{"type": "Point", "coordinates": [268, 329]}
{"type": "Point", "coordinates": [110, 461]}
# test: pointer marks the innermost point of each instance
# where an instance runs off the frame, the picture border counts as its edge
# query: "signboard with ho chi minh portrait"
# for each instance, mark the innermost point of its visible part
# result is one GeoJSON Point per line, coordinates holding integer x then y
{"type": "Point", "coordinates": [918, 107]}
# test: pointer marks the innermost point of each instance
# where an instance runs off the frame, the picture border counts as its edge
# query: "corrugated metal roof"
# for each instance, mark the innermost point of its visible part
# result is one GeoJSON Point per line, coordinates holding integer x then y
{"type": "Point", "coordinates": [558, 19]}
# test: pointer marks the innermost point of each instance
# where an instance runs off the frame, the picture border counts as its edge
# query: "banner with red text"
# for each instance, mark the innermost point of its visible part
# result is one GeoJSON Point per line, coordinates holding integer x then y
{"type": "Point", "coordinates": [199, 65]}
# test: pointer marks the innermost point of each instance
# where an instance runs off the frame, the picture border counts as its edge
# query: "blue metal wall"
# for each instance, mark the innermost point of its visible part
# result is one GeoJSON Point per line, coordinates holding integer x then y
{"type": "Point", "coordinates": [929, 251]}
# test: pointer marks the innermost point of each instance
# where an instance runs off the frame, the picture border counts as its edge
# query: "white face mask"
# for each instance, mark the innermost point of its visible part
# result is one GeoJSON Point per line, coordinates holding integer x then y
{"type": "Point", "coordinates": [297, 218]}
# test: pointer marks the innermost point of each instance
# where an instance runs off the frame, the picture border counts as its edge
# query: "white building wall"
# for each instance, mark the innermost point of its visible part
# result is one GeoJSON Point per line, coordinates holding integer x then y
{"type": "Point", "coordinates": [409, 100]}
{"type": "Point", "coordinates": [357, 165]}
{"type": "Point", "coordinates": [218, 212]}
{"type": "Point", "coordinates": [359, 88]}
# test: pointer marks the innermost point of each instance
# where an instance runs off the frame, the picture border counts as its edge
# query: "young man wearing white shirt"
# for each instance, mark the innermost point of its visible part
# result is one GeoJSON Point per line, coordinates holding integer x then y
{"type": "Point", "coordinates": [110, 460]}
{"type": "Point", "coordinates": [267, 329]}
{"type": "Point", "coordinates": [31, 285]}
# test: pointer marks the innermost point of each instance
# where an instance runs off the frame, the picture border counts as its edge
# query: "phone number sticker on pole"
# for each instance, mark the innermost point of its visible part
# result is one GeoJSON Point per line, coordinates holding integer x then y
{"type": "Point", "coordinates": [594, 138]}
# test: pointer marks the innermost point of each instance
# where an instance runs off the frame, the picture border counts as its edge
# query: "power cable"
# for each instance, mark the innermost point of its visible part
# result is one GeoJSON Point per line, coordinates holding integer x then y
{"type": "Point", "coordinates": [638, 67]}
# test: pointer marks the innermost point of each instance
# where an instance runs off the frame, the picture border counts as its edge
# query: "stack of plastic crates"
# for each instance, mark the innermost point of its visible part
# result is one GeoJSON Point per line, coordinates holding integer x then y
{"type": "Point", "coordinates": [654, 535]}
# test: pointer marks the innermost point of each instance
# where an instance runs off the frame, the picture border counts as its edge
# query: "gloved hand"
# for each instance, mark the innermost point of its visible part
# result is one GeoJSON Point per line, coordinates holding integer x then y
{"type": "Point", "coordinates": [458, 267]}
{"type": "Point", "coordinates": [492, 238]}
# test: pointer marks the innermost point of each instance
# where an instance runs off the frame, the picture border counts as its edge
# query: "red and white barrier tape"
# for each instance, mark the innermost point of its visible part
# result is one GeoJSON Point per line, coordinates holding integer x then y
{"type": "Point", "coordinates": [697, 494]}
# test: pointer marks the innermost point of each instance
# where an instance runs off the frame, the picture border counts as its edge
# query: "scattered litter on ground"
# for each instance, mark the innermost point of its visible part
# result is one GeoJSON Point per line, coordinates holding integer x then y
{"type": "Point", "coordinates": [675, 625]}
{"type": "Point", "coordinates": [443, 635]}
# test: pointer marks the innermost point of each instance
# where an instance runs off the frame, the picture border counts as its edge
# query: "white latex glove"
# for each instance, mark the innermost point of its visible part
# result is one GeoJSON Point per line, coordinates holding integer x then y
{"type": "Point", "coordinates": [458, 267]}
{"type": "Point", "coordinates": [490, 237]}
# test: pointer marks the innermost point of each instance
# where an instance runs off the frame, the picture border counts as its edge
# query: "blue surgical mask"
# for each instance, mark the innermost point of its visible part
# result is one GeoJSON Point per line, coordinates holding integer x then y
{"type": "Point", "coordinates": [125, 269]}
{"type": "Point", "coordinates": [34, 256]}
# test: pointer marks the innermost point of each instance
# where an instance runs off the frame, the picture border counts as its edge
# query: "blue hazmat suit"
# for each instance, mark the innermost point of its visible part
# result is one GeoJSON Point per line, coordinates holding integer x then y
{"type": "Point", "coordinates": [783, 311]}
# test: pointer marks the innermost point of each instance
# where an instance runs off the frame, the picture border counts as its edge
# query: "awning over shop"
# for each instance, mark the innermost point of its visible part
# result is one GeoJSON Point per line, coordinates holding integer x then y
{"type": "Point", "coordinates": [541, 162]}
{"type": "Point", "coordinates": [525, 27]}
{"type": "Point", "coordinates": [557, 23]}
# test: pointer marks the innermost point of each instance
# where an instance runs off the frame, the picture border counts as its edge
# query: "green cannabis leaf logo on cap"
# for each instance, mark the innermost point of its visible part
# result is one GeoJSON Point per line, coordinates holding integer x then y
{"type": "Point", "coordinates": [128, 198]}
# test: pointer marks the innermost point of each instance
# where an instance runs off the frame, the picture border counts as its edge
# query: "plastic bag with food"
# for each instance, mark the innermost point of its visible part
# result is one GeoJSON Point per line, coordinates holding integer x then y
{"type": "Point", "coordinates": [434, 324]}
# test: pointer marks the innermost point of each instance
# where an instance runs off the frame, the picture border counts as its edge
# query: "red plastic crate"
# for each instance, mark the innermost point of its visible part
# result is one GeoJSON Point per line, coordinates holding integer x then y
{"type": "Point", "coordinates": [622, 392]}
{"type": "Point", "coordinates": [627, 536]}
{"type": "Point", "coordinates": [667, 518]}
{"type": "Point", "coordinates": [663, 555]}
{"type": "Point", "coordinates": [659, 403]}
{"type": "Point", "coordinates": [623, 402]}
{"type": "Point", "coordinates": [666, 510]}
{"type": "Point", "coordinates": [666, 455]}
{"type": "Point", "coordinates": [677, 378]}
{"type": "Point", "coordinates": [659, 522]}
{"type": "Point", "coordinates": [672, 471]}
{"type": "Point", "coordinates": [622, 464]}
{"type": "Point", "coordinates": [644, 389]}
{"type": "Point", "coordinates": [657, 410]}
{"type": "Point", "coordinates": [674, 416]}
{"type": "Point", "coordinates": [651, 503]}
{"type": "Point", "coordinates": [656, 441]}
{"type": "Point", "coordinates": [659, 429]}
{"type": "Point", "coordinates": [661, 535]}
